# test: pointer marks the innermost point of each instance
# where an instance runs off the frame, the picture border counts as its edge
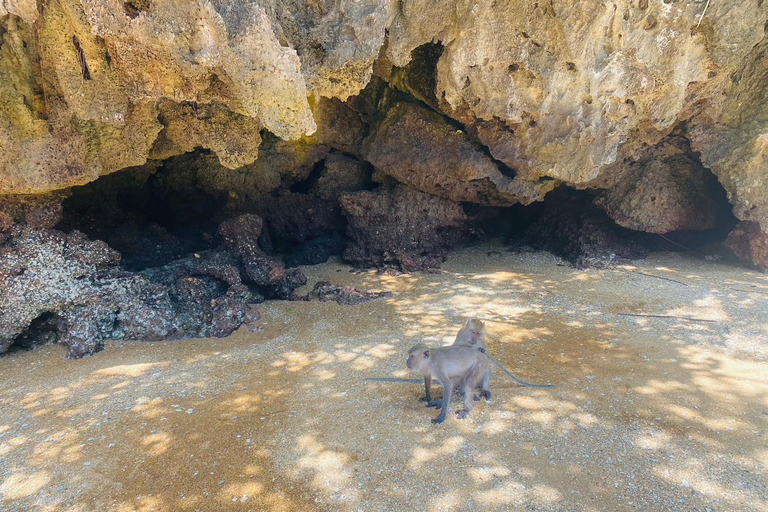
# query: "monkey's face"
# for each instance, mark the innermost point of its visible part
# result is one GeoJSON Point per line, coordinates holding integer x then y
{"type": "Point", "coordinates": [476, 330]}
{"type": "Point", "coordinates": [416, 359]}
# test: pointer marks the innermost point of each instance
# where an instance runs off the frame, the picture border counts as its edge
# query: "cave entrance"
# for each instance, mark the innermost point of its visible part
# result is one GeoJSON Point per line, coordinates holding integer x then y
{"type": "Point", "coordinates": [44, 330]}
{"type": "Point", "coordinates": [151, 214]}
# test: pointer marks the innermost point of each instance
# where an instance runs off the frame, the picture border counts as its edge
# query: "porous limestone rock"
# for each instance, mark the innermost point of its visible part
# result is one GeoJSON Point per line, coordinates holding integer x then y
{"type": "Point", "coordinates": [401, 226]}
{"type": "Point", "coordinates": [666, 189]}
{"type": "Point", "coordinates": [416, 146]}
{"type": "Point", "coordinates": [67, 288]}
{"type": "Point", "coordinates": [572, 91]}
{"type": "Point", "coordinates": [749, 244]}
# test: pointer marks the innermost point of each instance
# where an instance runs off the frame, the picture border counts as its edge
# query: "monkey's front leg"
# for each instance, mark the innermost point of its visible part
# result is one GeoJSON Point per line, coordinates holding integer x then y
{"type": "Point", "coordinates": [428, 389]}
{"type": "Point", "coordinates": [447, 392]}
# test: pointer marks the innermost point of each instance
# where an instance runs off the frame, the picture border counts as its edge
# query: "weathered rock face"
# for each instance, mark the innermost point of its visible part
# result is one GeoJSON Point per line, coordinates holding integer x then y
{"type": "Point", "coordinates": [497, 102]}
{"type": "Point", "coordinates": [71, 288]}
{"type": "Point", "coordinates": [666, 189]}
{"type": "Point", "coordinates": [67, 288]}
{"type": "Point", "coordinates": [749, 244]}
{"type": "Point", "coordinates": [241, 235]}
{"type": "Point", "coordinates": [569, 225]}
{"type": "Point", "coordinates": [401, 227]}
{"type": "Point", "coordinates": [416, 146]}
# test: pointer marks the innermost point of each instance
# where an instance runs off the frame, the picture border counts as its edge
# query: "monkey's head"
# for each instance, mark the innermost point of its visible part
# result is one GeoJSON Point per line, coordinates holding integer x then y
{"type": "Point", "coordinates": [477, 328]}
{"type": "Point", "coordinates": [416, 356]}
{"type": "Point", "coordinates": [472, 333]}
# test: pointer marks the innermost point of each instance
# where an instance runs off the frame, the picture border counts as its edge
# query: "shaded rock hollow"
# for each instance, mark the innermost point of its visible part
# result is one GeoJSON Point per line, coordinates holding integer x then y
{"type": "Point", "coordinates": [384, 130]}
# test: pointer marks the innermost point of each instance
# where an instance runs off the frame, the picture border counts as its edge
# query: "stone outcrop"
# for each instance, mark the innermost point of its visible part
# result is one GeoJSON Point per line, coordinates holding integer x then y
{"type": "Point", "coordinates": [489, 103]}
{"type": "Point", "coordinates": [569, 225]}
{"type": "Point", "coordinates": [402, 227]}
{"type": "Point", "coordinates": [418, 147]}
{"type": "Point", "coordinates": [666, 189]}
{"type": "Point", "coordinates": [241, 236]}
{"type": "Point", "coordinates": [749, 244]}
{"type": "Point", "coordinates": [69, 288]}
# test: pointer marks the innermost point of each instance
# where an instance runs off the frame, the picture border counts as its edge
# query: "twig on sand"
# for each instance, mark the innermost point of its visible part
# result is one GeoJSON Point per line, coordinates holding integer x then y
{"type": "Point", "coordinates": [764, 292]}
{"type": "Point", "coordinates": [654, 275]}
{"type": "Point", "coordinates": [675, 243]}
{"type": "Point", "coordinates": [702, 14]}
{"type": "Point", "coordinates": [668, 316]}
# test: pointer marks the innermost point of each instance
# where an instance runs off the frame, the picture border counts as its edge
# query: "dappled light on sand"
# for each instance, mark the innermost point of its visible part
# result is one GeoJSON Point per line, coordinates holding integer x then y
{"type": "Point", "coordinates": [660, 400]}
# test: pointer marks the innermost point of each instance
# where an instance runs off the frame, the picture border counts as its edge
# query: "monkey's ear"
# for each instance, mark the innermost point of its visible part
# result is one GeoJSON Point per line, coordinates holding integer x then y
{"type": "Point", "coordinates": [468, 320]}
{"type": "Point", "coordinates": [426, 354]}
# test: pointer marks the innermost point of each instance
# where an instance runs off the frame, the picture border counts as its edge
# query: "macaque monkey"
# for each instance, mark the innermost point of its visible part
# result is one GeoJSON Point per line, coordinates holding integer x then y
{"type": "Point", "coordinates": [473, 334]}
{"type": "Point", "coordinates": [450, 366]}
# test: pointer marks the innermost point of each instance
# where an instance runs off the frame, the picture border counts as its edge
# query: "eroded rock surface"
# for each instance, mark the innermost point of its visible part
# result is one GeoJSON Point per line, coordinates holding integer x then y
{"type": "Point", "coordinates": [490, 103]}
{"type": "Point", "coordinates": [750, 245]}
{"type": "Point", "coordinates": [666, 190]}
{"type": "Point", "coordinates": [68, 288]}
{"type": "Point", "coordinates": [420, 148]}
{"type": "Point", "coordinates": [241, 235]}
{"type": "Point", "coordinates": [569, 225]}
{"type": "Point", "coordinates": [401, 226]}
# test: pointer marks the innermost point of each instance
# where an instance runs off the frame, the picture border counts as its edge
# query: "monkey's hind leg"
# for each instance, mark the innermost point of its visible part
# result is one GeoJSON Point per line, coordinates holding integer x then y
{"type": "Point", "coordinates": [469, 395]}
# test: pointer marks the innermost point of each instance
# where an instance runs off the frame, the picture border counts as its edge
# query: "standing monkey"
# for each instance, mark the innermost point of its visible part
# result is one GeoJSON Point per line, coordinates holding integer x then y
{"type": "Point", "coordinates": [473, 334]}
{"type": "Point", "coordinates": [450, 366]}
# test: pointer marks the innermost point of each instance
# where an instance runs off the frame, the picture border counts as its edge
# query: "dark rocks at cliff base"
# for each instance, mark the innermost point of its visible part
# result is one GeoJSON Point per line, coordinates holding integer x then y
{"type": "Point", "coordinates": [74, 285]}
{"type": "Point", "coordinates": [316, 251]}
{"type": "Point", "coordinates": [67, 288]}
{"type": "Point", "coordinates": [241, 236]}
{"type": "Point", "coordinates": [343, 295]}
{"type": "Point", "coordinates": [72, 290]}
{"type": "Point", "coordinates": [295, 217]}
{"type": "Point", "coordinates": [208, 289]}
{"type": "Point", "coordinates": [749, 244]}
{"type": "Point", "coordinates": [402, 227]}
{"type": "Point", "coordinates": [42, 211]}
{"type": "Point", "coordinates": [569, 225]}
{"type": "Point", "coordinates": [341, 174]}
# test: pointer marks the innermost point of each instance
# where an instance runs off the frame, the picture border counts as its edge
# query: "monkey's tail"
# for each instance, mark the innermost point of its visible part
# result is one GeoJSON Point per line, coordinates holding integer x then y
{"type": "Point", "coordinates": [522, 383]}
{"type": "Point", "coordinates": [393, 379]}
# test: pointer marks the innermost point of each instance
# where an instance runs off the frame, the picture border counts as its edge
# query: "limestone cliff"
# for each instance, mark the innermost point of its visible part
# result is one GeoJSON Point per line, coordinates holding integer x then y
{"type": "Point", "coordinates": [635, 98]}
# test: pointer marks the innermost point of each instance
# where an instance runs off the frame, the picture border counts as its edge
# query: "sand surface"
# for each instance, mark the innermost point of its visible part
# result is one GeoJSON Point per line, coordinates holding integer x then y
{"type": "Point", "coordinates": [649, 413]}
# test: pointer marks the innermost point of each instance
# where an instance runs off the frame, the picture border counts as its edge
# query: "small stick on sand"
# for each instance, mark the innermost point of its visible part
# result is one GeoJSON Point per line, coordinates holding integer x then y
{"type": "Point", "coordinates": [654, 275]}
{"type": "Point", "coordinates": [750, 291]}
{"type": "Point", "coordinates": [394, 379]}
{"type": "Point", "coordinates": [702, 14]}
{"type": "Point", "coordinates": [668, 316]}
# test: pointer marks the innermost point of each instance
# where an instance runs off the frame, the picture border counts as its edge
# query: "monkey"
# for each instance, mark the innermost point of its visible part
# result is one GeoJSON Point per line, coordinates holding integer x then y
{"type": "Point", "coordinates": [451, 366]}
{"type": "Point", "coordinates": [473, 334]}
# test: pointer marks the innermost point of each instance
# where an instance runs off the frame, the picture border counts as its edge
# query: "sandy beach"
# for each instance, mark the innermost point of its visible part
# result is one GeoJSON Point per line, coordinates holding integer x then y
{"type": "Point", "coordinates": [661, 400]}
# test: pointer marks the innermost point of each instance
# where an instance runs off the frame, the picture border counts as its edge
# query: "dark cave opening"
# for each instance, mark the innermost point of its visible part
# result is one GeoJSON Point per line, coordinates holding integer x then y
{"type": "Point", "coordinates": [43, 330]}
{"type": "Point", "coordinates": [151, 215]}
{"type": "Point", "coordinates": [192, 257]}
